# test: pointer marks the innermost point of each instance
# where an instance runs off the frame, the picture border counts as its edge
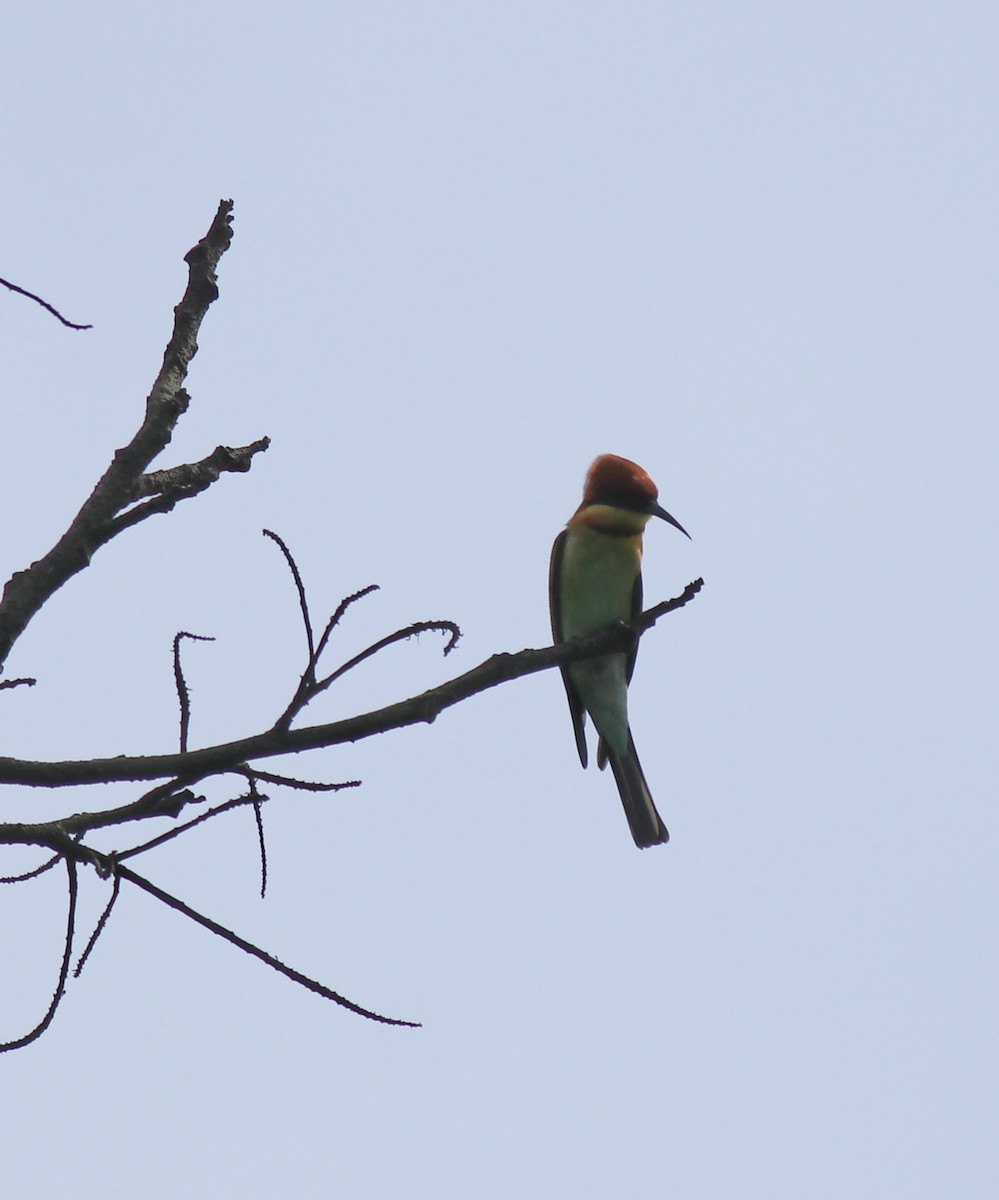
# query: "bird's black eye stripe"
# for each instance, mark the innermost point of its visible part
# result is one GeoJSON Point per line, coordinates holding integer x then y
{"type": "Point", "coordinates": [622, 499]}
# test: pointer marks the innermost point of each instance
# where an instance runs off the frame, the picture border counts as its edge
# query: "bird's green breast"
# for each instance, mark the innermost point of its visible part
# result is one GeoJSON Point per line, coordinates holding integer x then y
{"type": "Point", "coordinates": [597, 579]}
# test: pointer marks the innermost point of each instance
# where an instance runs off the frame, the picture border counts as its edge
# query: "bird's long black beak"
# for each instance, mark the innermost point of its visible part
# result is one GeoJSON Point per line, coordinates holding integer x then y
{"type": "Point", "coordinates": [658, 511]}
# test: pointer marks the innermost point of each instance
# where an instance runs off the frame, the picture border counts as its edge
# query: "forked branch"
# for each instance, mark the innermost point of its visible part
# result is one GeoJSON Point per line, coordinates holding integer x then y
{"type": "Point", "coordinates": [103, 515]}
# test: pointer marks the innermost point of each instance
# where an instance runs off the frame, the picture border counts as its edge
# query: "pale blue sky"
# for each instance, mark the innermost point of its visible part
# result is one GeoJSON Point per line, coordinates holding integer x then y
{"type": "Point", "coordinates": [751, 246]}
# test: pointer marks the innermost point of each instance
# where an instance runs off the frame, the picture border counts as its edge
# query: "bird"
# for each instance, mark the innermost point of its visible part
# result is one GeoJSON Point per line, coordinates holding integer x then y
{"type": "Point", "coordinates": [595, 579]}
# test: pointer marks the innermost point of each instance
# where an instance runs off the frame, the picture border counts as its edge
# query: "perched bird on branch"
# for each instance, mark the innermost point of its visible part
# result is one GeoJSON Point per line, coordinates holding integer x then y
{"type": "Point", "coordinates": [596, 579]}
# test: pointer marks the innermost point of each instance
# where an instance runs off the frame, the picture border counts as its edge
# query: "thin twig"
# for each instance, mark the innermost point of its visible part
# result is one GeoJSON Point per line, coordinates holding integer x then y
{"type": "Point", "coordinates": [177, 830]}
{"type": "Point", "coordinates": [99, 928]}
{"type": "Point", "coordinates": [183, 696]}
{"type": "Point", "coordinates": [256, 799]}
{"type": "Point", "coordinates": [337, 617]}
{"type": "Point", "coordinates": [12, 287]}
{"type": "Point", "coordinates": [299, 587]}
{"type": "Point", "coordinates": [57, 995]}
{"type": "Point", "coordinates": [400, 635]}
{"type": "Point", "coordinates": [46, 866]}
{"type": "Point", "coordinates": [240, 943]}
{"type": "Point", "coordinates": [301, 785]}
{"type": "Point", "coordinates": [13, 683]}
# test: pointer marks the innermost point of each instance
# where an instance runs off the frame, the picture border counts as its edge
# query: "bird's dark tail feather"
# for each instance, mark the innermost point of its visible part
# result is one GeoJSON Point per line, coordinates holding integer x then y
{"type": "Point", "coordinates": [647, 827]}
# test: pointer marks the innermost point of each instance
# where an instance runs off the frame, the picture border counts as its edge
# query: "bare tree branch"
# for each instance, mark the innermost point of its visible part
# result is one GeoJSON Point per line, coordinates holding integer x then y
{"type": "Point", "coordinates": [425, 708]}
{"type": "Point", "coordinates": [167, 488]}
{"type": "Point", "coordinates": [195, 477]}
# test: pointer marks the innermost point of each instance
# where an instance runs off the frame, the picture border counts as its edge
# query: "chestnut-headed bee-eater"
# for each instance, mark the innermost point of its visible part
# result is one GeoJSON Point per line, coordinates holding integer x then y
{"type": "Point", "coordinates": [595, 580]}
